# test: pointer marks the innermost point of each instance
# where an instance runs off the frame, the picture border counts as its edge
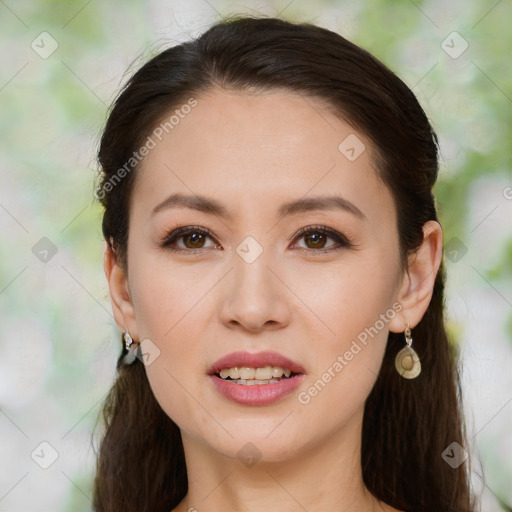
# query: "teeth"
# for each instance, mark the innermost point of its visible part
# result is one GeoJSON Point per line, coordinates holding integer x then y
{"type": "Point", "coordinates": [264, 373]}
{"type": "Point", "coordinates": [254, 381]}
{"type": "Point", "coordinates": [247, 373]}
{"type": "Point", "coordinates": [224, 373]}
{"type": "Point", "coordinates": [255, 375]}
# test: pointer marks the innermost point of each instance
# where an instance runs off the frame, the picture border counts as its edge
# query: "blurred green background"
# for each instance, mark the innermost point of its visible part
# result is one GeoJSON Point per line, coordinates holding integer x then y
{"type": "Point", "coordinates": [62, 64]}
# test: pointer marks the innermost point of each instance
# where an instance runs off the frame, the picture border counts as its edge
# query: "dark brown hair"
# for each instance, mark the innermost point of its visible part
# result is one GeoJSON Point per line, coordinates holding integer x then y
{"type": "Point", "coordinates": [407, 423]}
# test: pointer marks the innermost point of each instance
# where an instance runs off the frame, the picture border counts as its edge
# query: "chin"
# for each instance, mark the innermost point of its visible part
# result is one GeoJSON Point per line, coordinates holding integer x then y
{"type": "Point", "coordinates": [253, 446]}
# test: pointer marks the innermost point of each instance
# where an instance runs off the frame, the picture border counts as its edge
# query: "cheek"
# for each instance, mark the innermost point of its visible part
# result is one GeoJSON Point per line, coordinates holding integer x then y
{"type": "Point", "coordinates": [173, 309]}
{"type": "Point", "coordinates": [168, 299]}
{"type": "Point", "coordinates": [354, 305]}
{"type": "Point", "coordinates": [177, 373]}
{"type": "Point", "coordinates": [345, 367]}
{"type": "Point", "coordinates": [346, 298]}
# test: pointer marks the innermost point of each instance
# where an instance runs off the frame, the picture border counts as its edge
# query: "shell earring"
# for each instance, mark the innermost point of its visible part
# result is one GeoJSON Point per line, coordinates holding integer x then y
{"type": "Point", "coordinates": [407, 362]}
{"type": "Point", "coordinates": [131, 348]}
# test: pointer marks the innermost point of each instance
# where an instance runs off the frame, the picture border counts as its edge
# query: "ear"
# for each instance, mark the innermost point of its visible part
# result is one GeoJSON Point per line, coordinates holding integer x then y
{"type": "Point", "coordinates": [122, 305]}
{"type": "Point", "coordinates": [417, 286]}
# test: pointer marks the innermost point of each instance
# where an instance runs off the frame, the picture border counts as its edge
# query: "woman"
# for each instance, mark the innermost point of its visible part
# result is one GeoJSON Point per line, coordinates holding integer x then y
{"type": "Point", "coordinates": [274, 260]}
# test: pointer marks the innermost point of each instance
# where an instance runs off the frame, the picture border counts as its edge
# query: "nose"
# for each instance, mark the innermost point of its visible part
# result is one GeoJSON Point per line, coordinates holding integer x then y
{"type": "Point", "coordinates": [255, 298]}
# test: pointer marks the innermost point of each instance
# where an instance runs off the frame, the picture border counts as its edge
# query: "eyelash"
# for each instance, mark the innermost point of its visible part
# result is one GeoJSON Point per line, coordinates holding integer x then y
{"type": "Point", "coordinates": [342, 241]}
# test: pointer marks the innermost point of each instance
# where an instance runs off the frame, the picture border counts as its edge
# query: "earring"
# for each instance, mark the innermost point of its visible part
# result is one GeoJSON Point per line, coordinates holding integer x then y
{"type": "Point", "coordinates": [407, 362]}
{"type": "Point", "coordinates": [131, 348]}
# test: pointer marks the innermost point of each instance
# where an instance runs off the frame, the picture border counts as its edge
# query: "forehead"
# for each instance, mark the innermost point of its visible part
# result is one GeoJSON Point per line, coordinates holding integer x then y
{"type": "Point", "coordinates": [250, 148]}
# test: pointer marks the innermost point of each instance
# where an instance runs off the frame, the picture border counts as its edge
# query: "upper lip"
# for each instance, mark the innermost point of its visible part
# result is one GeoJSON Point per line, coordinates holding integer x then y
{"type": "Point", "coordinates": [258, 360]}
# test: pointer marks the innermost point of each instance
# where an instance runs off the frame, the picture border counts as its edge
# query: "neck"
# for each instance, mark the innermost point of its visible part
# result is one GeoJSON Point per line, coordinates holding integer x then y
{"type": "Point", "coordinates": [319, 477]}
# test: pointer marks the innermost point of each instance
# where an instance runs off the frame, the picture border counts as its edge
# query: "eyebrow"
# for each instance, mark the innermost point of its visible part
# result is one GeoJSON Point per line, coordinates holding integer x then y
{"type": "Point", "coordinates": [213, 207]}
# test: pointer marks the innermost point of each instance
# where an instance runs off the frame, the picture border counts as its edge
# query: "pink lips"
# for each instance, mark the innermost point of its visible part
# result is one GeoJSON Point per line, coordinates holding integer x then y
{"type": "Point", "coordinates": [257, 394]}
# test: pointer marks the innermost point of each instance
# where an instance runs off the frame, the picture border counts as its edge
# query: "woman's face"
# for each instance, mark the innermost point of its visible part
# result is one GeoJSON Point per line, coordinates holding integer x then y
{"type": "Point", "coordinates": [244, 279]}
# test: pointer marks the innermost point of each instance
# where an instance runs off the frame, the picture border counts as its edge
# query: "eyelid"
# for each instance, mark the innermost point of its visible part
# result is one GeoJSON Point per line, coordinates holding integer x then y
{"type": "Point", "coordinates": [178, 232]}
{"type": "Point", "coordinates": [168, 237]}
{"type": "Point", "coordinates": [342, 240]}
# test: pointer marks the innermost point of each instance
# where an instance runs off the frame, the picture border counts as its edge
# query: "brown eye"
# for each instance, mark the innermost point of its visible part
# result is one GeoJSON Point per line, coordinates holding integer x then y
{"type": "Point", "coordinates": [187, 238]}
{"type": "Point", "coordinates": [194, 240]}
{"type": "Point", "coordinates": [316, 238]}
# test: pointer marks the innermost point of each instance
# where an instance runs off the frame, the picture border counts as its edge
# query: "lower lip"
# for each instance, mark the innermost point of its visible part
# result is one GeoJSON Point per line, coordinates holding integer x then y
{"type": "Point", "coordinates": [258, 394]}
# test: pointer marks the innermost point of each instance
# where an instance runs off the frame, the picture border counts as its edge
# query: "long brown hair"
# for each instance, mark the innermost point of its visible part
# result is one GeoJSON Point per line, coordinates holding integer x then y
{"type": "Point", "coordinates": [407, 424]}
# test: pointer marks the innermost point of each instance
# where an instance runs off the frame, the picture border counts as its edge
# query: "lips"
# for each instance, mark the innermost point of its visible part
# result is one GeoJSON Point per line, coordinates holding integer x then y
{"type": "Point", "coordinates": [258, 360]}
{"type": "Point", "coordinates": [259, 394]}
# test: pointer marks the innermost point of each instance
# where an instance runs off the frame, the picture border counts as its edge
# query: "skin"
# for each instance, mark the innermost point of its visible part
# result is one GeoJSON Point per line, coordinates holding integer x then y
{"type": "Point", "coordinates": [252, 152]}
